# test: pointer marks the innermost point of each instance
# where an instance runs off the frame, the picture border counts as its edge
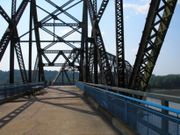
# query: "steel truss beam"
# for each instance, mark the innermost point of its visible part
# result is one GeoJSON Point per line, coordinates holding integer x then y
{"type": "Point", "coordinates": [84, 68]}
{"type": "Point", "coordinates": [120, 43]}
{"type": "Point", "coordinates": [59, 38]}
{"type": "Point", "coordinates": [63, 24]}
{"type": "Point", "coordinates": [95, 6]}
{"type": "Point", "coordinates": [8, 33]}
{"type": "Point", "coordinates": [56, 12]}
{"type": "Point", "coordinates": [54, 42]}
{"type": "Point", "coordinates": [157, 23]}
{"type": "Point", "coordinates": [101, 10]}
{"type": "Point", "coordinates": [30, 44]}
{"type": "Point", "coordinates": [55, 16]}
{"type": "Point", "coordinates": [37, 36]}
{"type": "Point", "coordinates": [58, 53]}
{"type": "Point", "coordinates": [90, 59]}
{"type": "Point", "coordinates": [51, 15]}
{"type": "Point", "coordinates": [4, 15]}
{"type": "Point", "coordinates": [73, 56]}
{"type": "Point", "coordinates": [61, 9]}
{"type": "Point", "coordinates": [99, 47]}
{"type": "Point", "coordinates": [13, 43]}
{"type": "Point", "coordinates": [12, 34]}
{"type": "Point", "coordinates": [19, 55]}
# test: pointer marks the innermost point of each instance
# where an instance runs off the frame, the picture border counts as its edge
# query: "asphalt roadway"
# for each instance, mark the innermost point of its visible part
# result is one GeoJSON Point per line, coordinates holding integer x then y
{"type": "Point", "coordinates": [53, 111]}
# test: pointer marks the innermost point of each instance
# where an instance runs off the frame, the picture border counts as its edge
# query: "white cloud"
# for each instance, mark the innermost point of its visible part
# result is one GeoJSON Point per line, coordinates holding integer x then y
{"type": "Point", "coordinates": [144, 0]}
{"type": "Point", "coordinates": [139, 9]}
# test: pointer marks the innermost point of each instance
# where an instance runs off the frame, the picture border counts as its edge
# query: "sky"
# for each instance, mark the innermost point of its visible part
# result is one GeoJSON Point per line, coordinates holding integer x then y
{"type": "Point", "coordinates": [135, 12]}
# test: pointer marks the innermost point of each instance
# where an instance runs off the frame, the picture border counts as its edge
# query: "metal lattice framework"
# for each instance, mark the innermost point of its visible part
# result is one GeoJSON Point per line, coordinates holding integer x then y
{"type": "Point", "coordinates": [120, 43]}
{"type": "Point", "coordinates": [157, 23]}
{"type": "Point", "coordinates": [61, 39]}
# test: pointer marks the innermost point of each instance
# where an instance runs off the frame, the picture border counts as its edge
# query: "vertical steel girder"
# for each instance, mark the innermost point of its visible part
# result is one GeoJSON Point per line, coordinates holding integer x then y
{"type": "Point", "coordinates": [157, 23]}
{"type": "Point", "coordinates": [94, 45]}
{"type": "Point", "coordinates": [30, 44]}
{"type": "Point", "coordinates": [84, 71]}
{"type": "Point", "coordinates": [91, 60]}
{"type": "Point", "coordinates": [35, 71]}
{"type": "Point", "coordinates": [85, 20]}
{"type": "Point", "coordinates": [120, 43]}
{"type": "Point", "coordinates": [13, 42]}
{"type": "Point", "coordinates": [37, 36]}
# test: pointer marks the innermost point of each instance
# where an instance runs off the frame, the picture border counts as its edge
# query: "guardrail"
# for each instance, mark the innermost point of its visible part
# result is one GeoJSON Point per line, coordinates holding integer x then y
{"type": "Point", "coordinates": [11, 91]}
{"type": "Point", "coordinates": [137, 114]}
{"type": "Point", "coordinates": [169, 98]}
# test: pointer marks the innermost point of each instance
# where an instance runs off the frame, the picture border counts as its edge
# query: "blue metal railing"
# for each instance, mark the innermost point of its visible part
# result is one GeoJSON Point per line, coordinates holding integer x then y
{"type": "Point", "coordinates": [138, 114]}
{"type": "Point", "coordinates": [14, 90]}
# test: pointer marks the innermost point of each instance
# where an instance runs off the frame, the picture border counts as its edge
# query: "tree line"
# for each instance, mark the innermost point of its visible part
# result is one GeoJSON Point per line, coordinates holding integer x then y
{"type": "Point", "coordinates": [49, 76]}
{"type": "Point", "coordinates": [156, 82]}
{"type": "Point", "coordinates": [165, 82]}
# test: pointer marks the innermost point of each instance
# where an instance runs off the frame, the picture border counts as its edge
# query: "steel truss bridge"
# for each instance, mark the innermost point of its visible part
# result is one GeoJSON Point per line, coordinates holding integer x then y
{"type": "Point", "coordinates": [61, 28]}
{"type": "Point", "coordinates": [67, 35]}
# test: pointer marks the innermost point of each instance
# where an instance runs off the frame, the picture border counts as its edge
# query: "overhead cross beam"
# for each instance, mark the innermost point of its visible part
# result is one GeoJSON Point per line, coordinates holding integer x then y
{"type": "Point", "coordinates": [61, 9]}
{"type": "Point", "coordinates": [74, 55]}
{"type": "Point", "coordinates": [59, 38]}
{"type": "Point", "coordinates": [56, 12]}
{"type": "Point", "coordinates": [45, 22]}
{"type": "Point", "coordinates": [55, 17]}
{"type": "Point", "coordinates": [58, 53]}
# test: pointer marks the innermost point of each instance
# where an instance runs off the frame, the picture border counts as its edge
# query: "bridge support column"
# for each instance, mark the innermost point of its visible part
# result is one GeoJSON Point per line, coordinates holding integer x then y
{"type": "Point", "coordinates": [11, 72]}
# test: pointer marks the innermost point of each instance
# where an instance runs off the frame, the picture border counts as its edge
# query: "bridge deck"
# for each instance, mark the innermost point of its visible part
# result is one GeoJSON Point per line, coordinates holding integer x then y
{"type": "Point", "coordinates": [57, 111]}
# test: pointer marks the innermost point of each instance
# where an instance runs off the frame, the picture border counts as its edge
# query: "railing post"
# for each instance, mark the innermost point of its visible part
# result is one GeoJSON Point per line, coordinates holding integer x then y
{"type": "Point", "coordinates": [164, 121]}
{"type": "Point", "coordinates": [125, 111]}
